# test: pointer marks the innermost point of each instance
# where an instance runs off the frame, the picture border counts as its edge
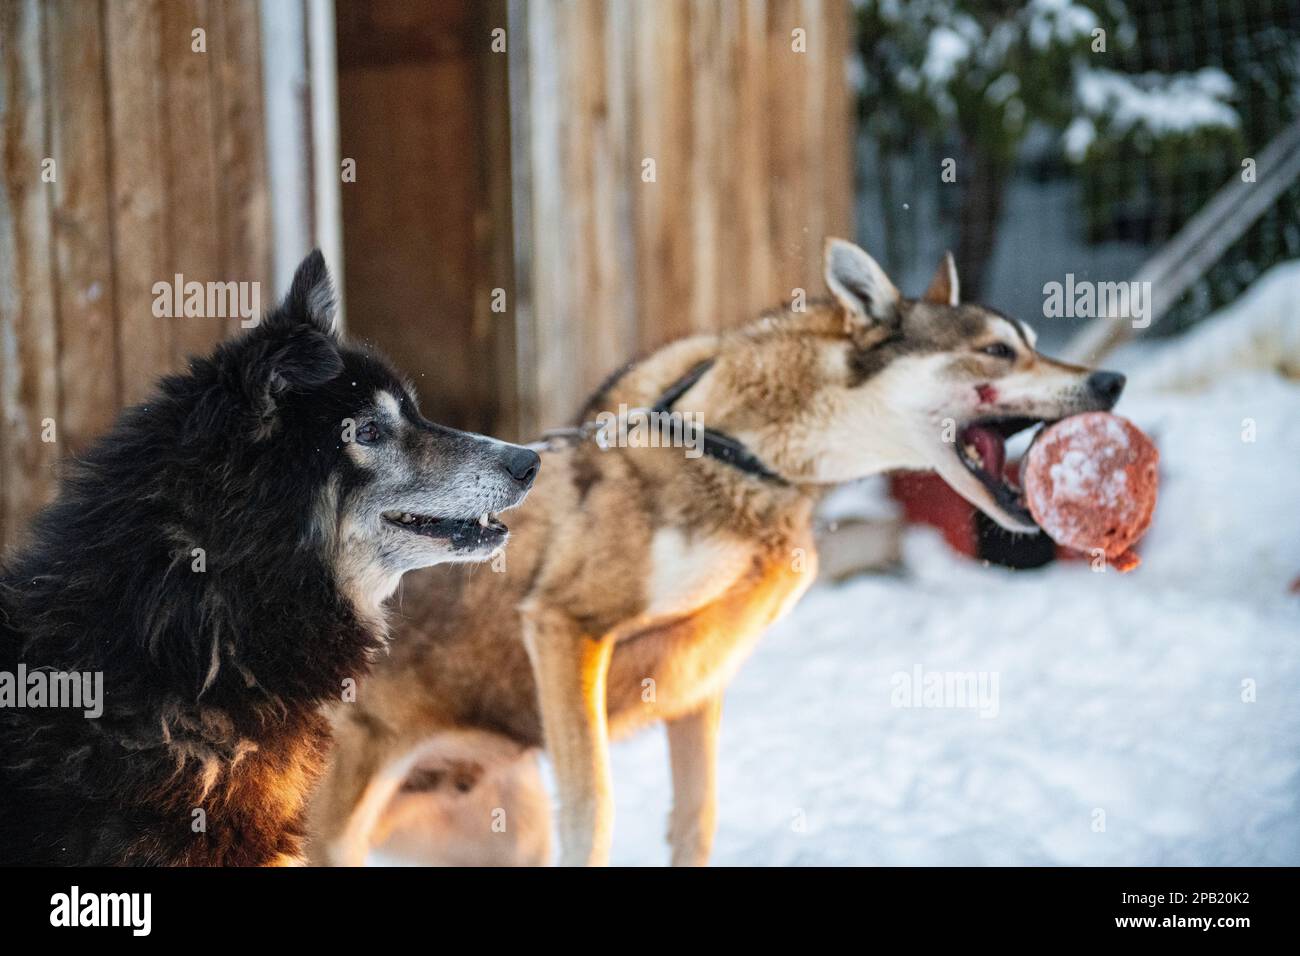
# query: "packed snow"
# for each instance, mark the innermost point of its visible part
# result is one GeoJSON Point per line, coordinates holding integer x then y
{"type": "Point", "coordinates": [961, 714]}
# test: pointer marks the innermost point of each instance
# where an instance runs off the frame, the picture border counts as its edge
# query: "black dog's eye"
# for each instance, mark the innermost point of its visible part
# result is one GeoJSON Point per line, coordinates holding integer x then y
{"type": "Point", "coordinates": [999, 350]}
{"type": "Point", "coordinates": [367, 434]}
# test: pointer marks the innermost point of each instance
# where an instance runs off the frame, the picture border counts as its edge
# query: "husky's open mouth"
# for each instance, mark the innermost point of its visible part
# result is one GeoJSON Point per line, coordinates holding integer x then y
{"type": "Point", "coordinates": [487, 528]}
{"type": "Point", "coordinates": [982, 449]}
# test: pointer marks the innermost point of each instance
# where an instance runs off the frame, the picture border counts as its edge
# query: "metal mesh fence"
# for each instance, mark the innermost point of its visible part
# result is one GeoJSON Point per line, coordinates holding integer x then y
{"type": "Point", "coordinates": [1093, 159]}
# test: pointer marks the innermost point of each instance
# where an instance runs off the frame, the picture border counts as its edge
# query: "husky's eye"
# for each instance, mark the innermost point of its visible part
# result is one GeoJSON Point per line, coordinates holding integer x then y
{"type": "Point", "coordinates": [367, 434]}
{"type": "Point", "coordinates": [999, 350]}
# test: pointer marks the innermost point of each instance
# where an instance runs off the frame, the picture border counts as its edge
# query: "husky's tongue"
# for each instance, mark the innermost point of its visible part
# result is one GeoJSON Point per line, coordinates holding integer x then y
{"type": "Point", "coordinates": [990, 446]}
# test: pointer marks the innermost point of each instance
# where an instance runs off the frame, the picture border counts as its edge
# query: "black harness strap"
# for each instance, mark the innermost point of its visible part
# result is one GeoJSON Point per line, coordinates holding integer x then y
{"type": "Point", "coordinates": [714, 443]}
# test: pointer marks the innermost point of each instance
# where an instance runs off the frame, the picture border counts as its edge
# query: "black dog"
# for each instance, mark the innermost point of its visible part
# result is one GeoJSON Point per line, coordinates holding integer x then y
{"type": "Point", "coordinates": [219, 560]}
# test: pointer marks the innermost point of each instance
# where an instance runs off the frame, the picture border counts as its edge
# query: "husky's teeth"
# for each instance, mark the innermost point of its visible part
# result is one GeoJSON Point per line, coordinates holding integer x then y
{"type": "Point", "coordinates": [974, 455]}
{"type": "Point", "coordinates": [408, 518]}
{"type": "Point", "coordinates": [483, 519]}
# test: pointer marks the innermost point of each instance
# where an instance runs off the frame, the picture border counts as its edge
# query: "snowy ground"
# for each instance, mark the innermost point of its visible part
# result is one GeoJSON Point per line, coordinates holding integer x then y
{"type": "Point", "coordinates": [1118, 733]}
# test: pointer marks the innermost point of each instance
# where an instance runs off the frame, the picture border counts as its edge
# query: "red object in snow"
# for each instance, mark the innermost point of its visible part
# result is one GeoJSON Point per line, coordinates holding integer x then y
{"type": "Point", "coordinates": [1090, 483]}
{"type": "Point", "coordinates": [927, 499]}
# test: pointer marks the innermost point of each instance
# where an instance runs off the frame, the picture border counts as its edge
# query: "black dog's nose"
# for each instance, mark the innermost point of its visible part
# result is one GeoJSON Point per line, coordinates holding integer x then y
{"type": "Point", "coordinates": [1106, 386]}
{"type": "Point", "coordinates": [522, 465]}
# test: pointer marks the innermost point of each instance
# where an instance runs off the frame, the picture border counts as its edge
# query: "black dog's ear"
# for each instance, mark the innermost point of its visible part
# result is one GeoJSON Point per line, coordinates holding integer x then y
{"type": "Point", "coordinates": [294, 349]}
{"type": "Point", "coordinates": [302, 359]}
{"type": "Point", "coordinates": [311, 298]}
{"type": "Point", "coordinates": [302, 347]}
{"type": "Point", "coordinates": [271, 366]}
{"type": "Point", "coordinates": [297, 347]}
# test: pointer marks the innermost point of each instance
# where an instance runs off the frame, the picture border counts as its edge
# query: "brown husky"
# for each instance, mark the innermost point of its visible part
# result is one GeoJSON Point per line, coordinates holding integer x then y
{"type": "Point", "coordinates": [639, 578]}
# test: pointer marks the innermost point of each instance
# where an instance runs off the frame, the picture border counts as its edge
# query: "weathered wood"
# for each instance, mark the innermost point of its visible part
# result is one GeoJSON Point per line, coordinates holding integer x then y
{"type": "Point", "coordinates": [493, 236]}
{"type": "Point", "coordinates": [753, 209]}
{"type": "Point", "coordinates": [164, 174]}
{"type": "Point", "coordinates": [29, 387]}
{"type": "Point", "coordinates": [189, 152]}
{"type": "Point", "coordinates": [522, 312]}
{"type": "Point", "coordinates": [82, 237]}
{"type": "Point", "coordinates": [752, 150]}
{"type": "Point", "coordinates": [139, 193]}
{"type": "Point", "coordinates": [283, 28]}
{"type": "Point", "coordinates": [243, 221]}
{"type": "Point", "coordinates": [663, 127]}
{"type": "Point", "coordinates": [791, 151]}
{"type": "Point", "coordinates": [137, 123]}
{"type": "Point", "coordinates": [412, 218]}
{"type": "Point", "coordinates": [710, 161]}
{"type": "Point", "coordinates": [838, 122]}
{"type": "Point", "coordinates": [555, 349]}
{"type": "Point", "coordinates": [595, 184]}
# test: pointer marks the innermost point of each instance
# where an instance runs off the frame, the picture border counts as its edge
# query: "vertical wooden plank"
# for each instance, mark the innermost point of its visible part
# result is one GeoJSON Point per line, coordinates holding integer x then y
{"type": "Point", "coordinates": [787, 179]}
{"type": "Point", "coordinates": [190, 156]}
{"type": "Point", "coordinates": [619, 175]}
{"type": "Point", "coordinates": [811, 126]}
{"type": "Point", "coordinates": [522, 213]}
{"type": "Point", "coordinates": [580, 78]}
{"type": "Point", "coordinates": [323, 121]}
{"type": "Point", "coordinates": [557, 355]}
{"type": "Point", "coordinates": [753, 169]}
{"type": "Point", "coordinates": [732, 279]}
{"type": "Point", "coordinates": [411, 118]}
{"type": "Point", "coordinates": [29, 387]}
{"type": "Point", "coordinates": [139, 193]}
{"type": "Point", "coordinates": [283, 27]}
{"type": "Point", "coordinates": [599, 178]}
{"type": "Point", "coordinates": [840, 144]}
{"type": "Point", "coordinates": [492, 218]}
{"type": "Point", "coordinates": [751, 141]}
{"type": "Point", "coordinates": [243, 222]}
{"type": "Point", "coordinates": [708, 160]}
{"type": "Point", "coordinates": [664, 134]}
{"type": "Point", "coordinates": [87, 362]}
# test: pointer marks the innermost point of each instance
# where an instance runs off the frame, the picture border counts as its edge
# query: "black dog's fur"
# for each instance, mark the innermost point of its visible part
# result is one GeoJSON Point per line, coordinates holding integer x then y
{"type": "Point", "coordinates": [205, 672]}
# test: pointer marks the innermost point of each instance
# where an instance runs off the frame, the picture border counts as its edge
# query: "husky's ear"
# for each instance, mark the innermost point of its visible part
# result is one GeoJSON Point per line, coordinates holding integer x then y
{"type": "Point", "coordinates": [944, 289]}
{"type": "Point", "coordinates": [311, 296]}
{"type": "Point", "coordinates": [859, 285]}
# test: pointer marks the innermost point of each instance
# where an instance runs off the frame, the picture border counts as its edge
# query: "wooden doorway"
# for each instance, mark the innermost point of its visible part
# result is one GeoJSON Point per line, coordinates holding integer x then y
{"type": "Point", "coordinates": [424, 115]}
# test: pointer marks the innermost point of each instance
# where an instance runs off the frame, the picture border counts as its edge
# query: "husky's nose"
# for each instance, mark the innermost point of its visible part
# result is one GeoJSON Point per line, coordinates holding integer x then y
{"type": "Point", "coordinates": [1106, 386]}
{"type": "Point", "coordinates": [521, 464]}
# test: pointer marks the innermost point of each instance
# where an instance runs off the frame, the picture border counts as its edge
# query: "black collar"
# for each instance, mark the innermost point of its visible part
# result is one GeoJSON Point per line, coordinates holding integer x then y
{"type": "Point", "coordinates": [716, 444]}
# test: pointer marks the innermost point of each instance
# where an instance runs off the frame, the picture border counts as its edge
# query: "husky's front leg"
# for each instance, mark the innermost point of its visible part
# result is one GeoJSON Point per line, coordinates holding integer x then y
{"type": "Point", "coordinates": [693, 752]}
{"type": "Point", "coordinates": [571, 669]}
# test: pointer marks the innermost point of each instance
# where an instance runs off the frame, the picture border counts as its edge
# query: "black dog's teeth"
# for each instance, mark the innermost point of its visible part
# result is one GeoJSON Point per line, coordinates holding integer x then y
{"type": "Point", "coordinates": [409, 519]}
{"type": "Point", "coordinates": [456, 530]}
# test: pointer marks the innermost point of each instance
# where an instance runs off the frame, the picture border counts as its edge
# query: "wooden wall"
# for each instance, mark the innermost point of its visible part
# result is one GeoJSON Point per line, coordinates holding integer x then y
{"type": "Point", "coordinates": [752, 145]}
{"type": "Point", "coordinates": [476, 170]}
{"type": "Point", "coordinates": [424, 112]}
{"type": "Point", "coordinates": [159, 168]}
